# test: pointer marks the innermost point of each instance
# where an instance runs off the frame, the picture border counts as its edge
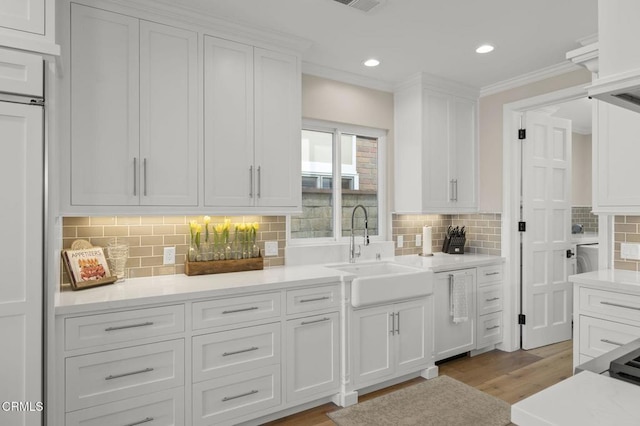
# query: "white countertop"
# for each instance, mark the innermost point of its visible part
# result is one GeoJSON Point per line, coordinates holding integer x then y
{"type": "Point", "coordinates": [586, 399]}
{"type": "Point", "coordinates": [609, 279]}
{"type": "Point", "coordinates": [179, 288]}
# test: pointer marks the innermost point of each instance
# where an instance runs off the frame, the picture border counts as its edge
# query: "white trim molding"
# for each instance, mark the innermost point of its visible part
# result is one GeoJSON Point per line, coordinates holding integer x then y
{"type": "Point", "coordinates": [528, 78]}
{"type": "Point", "coordinates": [346, 77]}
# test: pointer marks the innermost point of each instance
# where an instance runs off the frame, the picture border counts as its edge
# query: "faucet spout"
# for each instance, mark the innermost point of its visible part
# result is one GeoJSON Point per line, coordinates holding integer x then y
{"type": "Point", "coordinates": [352, 245]}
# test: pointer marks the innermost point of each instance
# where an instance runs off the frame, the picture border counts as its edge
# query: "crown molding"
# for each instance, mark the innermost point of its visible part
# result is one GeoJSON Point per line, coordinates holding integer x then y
{"type": "Point", "coordinates": [345, 77]}
{"type": "Point", "coordinates": [528, 78]}
{"type": "Point", "coordinates": [434, 82]}
{"type": "Point", "coordinates": [586, 56]}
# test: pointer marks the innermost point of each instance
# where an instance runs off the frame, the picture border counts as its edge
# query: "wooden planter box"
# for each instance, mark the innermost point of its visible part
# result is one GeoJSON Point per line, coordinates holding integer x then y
{"type": "Point", "coordinates": [222, 266]}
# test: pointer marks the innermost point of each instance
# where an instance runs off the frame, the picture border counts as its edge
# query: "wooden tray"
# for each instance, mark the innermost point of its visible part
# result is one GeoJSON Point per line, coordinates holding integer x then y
{"type": "Point", "coordinates": [222, 266]}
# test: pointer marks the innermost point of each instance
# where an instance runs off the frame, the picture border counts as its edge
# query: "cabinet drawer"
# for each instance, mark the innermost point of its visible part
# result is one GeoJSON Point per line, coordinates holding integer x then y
{"type": "Point", "coordinates": [235, 310]}
{"type": "Point", "coordinates": [217, 401]}
{"type": "Point", "coordinates": [489, 299]}
{"type": "Point", "coordinates": [234, 351]}
{"type": "Point", "coordinates": [164, 408]}
{"type": "Point", "coordinates": [313, 299]}
{"type": "Point", "coordinates": [489, 330]}
{"type": "Point", "coordinates": [21, 73]}
{"type": "Point", "coordinates": [598, 336]}
{"type": "Point", "coordinates": [618, 305]}
{"type": "Point", "coordinates": [123, 373]}
{"type": "Point", "coordinates": [116, 327]}
{"type": "Point", "coordinates": [489, 274]}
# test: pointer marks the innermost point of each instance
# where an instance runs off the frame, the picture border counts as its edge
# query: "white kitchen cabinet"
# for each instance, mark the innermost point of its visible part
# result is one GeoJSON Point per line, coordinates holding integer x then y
{"type": "Point", "coordinates": [453, 338]}
{"type": "Point", "coordinates": [617, 148]}
{"type": "Point", "coordinates": [133, 111]}
{"type": "Point", "coordinates": [313, 356]}
{"type": "Point", "coordinates": [252, 126]}
{"type": "Point", "coordinates": [390, 340]}
{"type": "Point", "coordinates": [21, 73]}
{"type": "Point", "coordinates": [23, 15]}
{"type": "Point", "coordinates": [436, 149]}
{"type": "Point", "coordinates": [28, 25]}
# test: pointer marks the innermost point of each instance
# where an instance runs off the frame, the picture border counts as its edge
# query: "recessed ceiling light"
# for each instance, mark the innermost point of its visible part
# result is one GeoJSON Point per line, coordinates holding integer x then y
{"type": "Point", "coordinates": [485, 48]}
{"type": "Point", "coordinates": [371, 63]}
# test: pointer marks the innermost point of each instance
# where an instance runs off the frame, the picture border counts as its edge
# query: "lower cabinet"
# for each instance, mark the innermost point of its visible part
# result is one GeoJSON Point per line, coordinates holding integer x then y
{"type": "Point", "coordinates": [390, 340]}
{"type": "Point", "coordinates": [313, 363]}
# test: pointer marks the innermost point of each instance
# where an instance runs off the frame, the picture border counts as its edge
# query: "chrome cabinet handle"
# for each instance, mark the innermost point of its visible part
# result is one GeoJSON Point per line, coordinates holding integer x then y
{"type": "Point", "coordinates": [233, 311]}
{"type": "Point", "coordinates": [315, 321]}
{"type": "Point", "coordinates": [146, 420]}
{"type": "Point", "coordinates": [135, 176]}
{"type": "Point", "coordinates": [617, 305]}
{"type": "Point", "coordinates": [398, 323]}
{"type": "Point", "coordinates": [229, 398]}
{"type": "Point", "coordinates": [259, 181]}
{"type": "Point", "coordinates": [491, 273]}
{"type": "Point", "coordinates": [451, 189]}
{"type": "Point", "coordinates": [611, 342]}
{"type": "Point", "coordinates": [492, 299]}
{"type": "Point", "coordinates": [117, 376]}
{"type": "Point", "coordinates": [393, 324]}
{"type": "Point", "coordinates": [241, 351]}
{"type": "Point", "coordinates": [316, 299]}
{"type": "Point", "coordinates": [492, 328]}
{"type": "Point", "coordinates": [122, 327]}
{"type": "Point", "coordinates": [250, 181]}
{"type": "Point", "coordinates": [456, 186]}
{"type": "Point", "coordinates": [144, 173]}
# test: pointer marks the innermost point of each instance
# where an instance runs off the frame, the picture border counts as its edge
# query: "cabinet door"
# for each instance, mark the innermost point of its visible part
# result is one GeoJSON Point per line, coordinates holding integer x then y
{"type": "Point", "coordinates": [312, 356]}
{"type": "Point", "coordinates": [372, 344]}
{"type": "Point", "coordinates": [228, 123]}
{"type": "Point", "coordinates": [438, 178]}
{"type": "Point", "coordinates": [168, 115]}
{"type": "Point", "coordinates": [104, 108]}
{"type": "Point", "coordinates": [21, 185]}
{"type": "Point", "coordinates": [413, 335]}
{"type": "Point", "coordinates": [23, 15]}
{"type": "Point", "coordinates": [451, 338]}
{"type": "Point", "coordinates": [277, 129]}
{"type": "Point", "coordinates": [463, 151]}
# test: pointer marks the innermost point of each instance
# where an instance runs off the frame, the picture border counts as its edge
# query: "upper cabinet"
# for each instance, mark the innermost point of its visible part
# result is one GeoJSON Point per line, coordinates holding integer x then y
{"type": "Point", "coordinates": [133, 111]}
{"type": "Point", "coordinates": [252, 126]}
{"type": "Point", "coordinates": [436, 147]}
{"type": "Point", "coordinates": [28, 25]}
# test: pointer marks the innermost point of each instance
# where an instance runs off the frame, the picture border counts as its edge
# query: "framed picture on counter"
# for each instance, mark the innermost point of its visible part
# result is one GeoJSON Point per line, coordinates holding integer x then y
{"type": "Point", "coordinates": [87, 268]}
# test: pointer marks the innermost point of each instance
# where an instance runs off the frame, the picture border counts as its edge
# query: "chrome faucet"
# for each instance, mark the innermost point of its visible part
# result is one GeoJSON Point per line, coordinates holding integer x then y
{"type": "Point", "coordinates": [352, 246]}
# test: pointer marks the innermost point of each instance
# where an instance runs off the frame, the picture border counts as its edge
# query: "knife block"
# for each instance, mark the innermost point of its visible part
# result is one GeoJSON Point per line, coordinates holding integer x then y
{"type": "Point", "coordinates": [454, 245]}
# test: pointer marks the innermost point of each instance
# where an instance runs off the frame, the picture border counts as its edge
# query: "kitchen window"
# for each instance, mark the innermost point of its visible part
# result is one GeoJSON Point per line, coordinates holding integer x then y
{"type": "Point", "coordinates": [352, 156]}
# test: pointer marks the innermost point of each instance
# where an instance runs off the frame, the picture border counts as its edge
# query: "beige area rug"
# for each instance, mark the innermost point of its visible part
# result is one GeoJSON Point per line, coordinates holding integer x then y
{"type": "Point", "coordinates": [441, 401]}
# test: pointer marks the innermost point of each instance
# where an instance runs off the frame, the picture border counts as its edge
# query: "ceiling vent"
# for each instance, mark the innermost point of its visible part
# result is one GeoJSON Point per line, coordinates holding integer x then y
{"type": "Point", "coordinates": [363, 5]}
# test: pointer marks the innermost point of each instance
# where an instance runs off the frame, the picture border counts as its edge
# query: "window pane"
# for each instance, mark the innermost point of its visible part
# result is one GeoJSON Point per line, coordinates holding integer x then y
{"type": "Point", "coordinates": [361, 185]}
{"type": "Point", "coordinates": [316, 220]}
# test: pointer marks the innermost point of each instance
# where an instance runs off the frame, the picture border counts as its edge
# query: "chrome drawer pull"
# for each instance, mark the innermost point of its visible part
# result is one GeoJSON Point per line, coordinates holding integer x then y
{"type": "Point", "coordinates": [146, 420]}
{"type": "Point", "coordinates": [491, 273]}
{"type": "Point", "coordinates": [492, 299]}
{"type": "Point", "coordinates": [393, 323]}
{"type": "Point", "coordinates": [229, 398]}
{"type": "Point", "coordinates": [241, 351]}
{"type": "Point", "coordinates": [617, 305]}
{"type": "Point", "coordinates": [122, 327]}
{"type": "Point", "coordinates": [117, 376]}
{"type": "Point", "coordinates": [611, 342]}
{"type": "Point", "coordinates": [493, 328]}
{"type": "Point", "coordinates": [314, 299]}
{"type": "Point", "coordinates": [233, 311]}
{"type": "Point", "coordinates": [315, 321]}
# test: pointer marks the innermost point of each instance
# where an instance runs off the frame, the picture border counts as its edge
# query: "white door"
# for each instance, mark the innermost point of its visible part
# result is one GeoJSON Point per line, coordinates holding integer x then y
{"type": "Point", "coordinates": [168, 115]}
{"type": "Point", "coordinates": [228, 123]}
{"type": "Point", "coordinates": [105, 135]}
{"type": "Point", "coordinates": [23, 15]}
{"type": "Point", "coordinates": [21, 225]}
{"type": "Point", "coordinates": [277, 126]}
{"type": "Point", "coordinates": [546, 173]}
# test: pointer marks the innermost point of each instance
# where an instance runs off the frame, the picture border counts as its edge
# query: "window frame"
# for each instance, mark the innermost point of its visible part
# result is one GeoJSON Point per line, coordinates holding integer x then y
{"type": "Point", "coordinates": [337, 129]}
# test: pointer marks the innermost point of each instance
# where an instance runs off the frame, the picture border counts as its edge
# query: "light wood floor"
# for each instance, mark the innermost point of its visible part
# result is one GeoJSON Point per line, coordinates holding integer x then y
{"type": "Point", "coordinates": [510, 376]}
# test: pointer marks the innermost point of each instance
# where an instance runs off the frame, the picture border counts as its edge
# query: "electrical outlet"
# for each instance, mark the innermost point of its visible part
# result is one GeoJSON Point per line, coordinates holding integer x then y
{"type": "Point", "coordinates": [270, 248]}
{"type": "Point", "coordinates": [169, 256]}
{"type": "Point", "coordinates": [418, 240]}
{"type": "Point", "coordinates": [630, 251]}
{"type": "Point", "coordinates": [400, 241]}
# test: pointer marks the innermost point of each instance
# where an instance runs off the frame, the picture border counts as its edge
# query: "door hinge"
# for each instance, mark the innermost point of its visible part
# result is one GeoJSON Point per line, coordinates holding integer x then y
{"type": "Point", "coordinates": [522, 319]}
{"type": "Point", "coordinates": [522, 134]}
{"type": "Point", "coordinates": [522, 226]}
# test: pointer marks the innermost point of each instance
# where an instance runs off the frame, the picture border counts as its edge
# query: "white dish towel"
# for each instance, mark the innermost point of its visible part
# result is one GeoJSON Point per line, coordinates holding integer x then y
{"type": "Point", "coordinates": [459, 311]}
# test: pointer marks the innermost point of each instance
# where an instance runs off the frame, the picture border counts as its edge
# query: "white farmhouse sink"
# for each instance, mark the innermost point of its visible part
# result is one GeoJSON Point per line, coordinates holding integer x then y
{"type": "Point", "coordinates": [380, 282]}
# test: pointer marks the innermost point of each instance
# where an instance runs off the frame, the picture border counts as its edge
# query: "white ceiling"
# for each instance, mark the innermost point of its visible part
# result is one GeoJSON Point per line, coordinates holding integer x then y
{"type": "Point", "coordinates": [434, 36]}
{"type": "Point", "coordinates": [579, 112]}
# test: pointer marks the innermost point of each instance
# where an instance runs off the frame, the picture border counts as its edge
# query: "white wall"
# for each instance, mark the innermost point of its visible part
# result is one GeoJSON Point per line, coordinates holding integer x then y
{"type": "Point", "coordinates": [581, 175]}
